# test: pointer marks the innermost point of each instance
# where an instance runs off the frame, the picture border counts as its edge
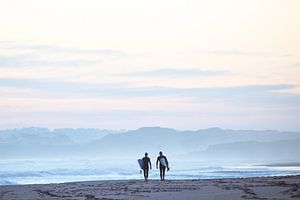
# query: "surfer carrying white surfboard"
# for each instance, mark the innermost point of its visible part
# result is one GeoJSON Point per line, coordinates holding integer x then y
{"type": "Point", "coordinates": [163, 164]}
{"type": "Point", "coordinates": [145, 167]}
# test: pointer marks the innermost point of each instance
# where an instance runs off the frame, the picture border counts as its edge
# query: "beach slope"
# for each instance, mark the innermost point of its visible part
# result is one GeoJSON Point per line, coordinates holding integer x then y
{"type": "Point", "coordinates": [285, 187]}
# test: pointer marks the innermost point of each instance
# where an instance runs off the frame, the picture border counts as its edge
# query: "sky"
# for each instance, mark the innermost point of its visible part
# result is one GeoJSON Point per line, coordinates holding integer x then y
{"type": "Point", "coordinates": [185, 64]}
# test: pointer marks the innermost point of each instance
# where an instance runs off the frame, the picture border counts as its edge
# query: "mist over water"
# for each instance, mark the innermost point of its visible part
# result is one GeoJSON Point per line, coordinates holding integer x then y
{"type": "Point", "coordinates": [57, 171]}
{"type": "Point", "coordinates": [38, 155]}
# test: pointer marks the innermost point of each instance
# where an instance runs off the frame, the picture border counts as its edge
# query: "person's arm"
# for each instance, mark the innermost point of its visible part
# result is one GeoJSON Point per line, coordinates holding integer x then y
{"type": "Point", "coordinates": [150, 163]}
{"type": "Point", "coordinates": [157, 163]}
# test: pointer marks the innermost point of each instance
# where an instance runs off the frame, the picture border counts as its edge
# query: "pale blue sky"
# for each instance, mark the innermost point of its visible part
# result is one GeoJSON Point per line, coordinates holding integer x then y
{"type": "Point", "coordinates": [127, 64]}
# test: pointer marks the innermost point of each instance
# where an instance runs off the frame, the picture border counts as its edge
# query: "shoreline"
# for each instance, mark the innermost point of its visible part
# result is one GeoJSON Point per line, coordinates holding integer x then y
{"type": "Point", "coordinates": [269, 187]}
{"type": "Point", "coordinates": [279, 165]}
{"type": "Point", "coordinates": [141, 179]}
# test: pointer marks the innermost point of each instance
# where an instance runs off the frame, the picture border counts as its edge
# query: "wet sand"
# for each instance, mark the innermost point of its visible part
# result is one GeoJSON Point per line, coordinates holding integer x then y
{"type": "Point", "coordinates": [284, 187]}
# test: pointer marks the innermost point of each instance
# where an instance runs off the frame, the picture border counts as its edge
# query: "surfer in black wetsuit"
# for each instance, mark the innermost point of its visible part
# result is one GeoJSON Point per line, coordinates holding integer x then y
{"type": "Point", "coordinates": [163, 164]}
{"type": "Point", "coordinates": [146, 163]}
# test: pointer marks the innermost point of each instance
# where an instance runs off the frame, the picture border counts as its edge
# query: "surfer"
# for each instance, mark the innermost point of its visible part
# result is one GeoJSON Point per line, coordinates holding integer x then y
{"type": "Point", "coordinates": [163, 164]}
{"type": "Point", "coordinates": [146, 164]}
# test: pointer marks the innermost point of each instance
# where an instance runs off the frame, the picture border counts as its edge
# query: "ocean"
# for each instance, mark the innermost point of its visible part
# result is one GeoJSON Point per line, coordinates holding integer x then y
{"type": "Point", "coordinates": [19, 172]}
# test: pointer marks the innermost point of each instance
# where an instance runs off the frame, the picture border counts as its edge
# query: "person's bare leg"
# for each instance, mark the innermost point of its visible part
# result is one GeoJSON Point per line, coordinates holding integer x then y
{"type": "Point", "coordinates": [161, 173]}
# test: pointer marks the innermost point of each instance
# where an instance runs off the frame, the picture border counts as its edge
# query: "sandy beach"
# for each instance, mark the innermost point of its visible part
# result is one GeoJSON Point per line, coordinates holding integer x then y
{"type": "Point", "coordinates": [283, 187]}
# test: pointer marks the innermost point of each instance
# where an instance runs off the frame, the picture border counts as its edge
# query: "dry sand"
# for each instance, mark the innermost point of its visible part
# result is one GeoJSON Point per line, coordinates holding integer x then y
{"type": "Point", "coordinates": [285, 187]}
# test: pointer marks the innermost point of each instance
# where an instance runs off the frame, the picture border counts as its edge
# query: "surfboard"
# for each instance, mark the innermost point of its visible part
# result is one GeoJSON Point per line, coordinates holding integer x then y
{"type": "Point", "coordinates": [141, 163]}
{"type": "Point", "coordinates": [163, 162]}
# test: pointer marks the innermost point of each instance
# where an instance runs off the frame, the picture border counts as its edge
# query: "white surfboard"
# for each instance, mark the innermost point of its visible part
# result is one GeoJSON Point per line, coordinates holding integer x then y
{"type": "Point", "coordinates": [141, 163]}
{"type": "Point", "coordinates": [163, 162]}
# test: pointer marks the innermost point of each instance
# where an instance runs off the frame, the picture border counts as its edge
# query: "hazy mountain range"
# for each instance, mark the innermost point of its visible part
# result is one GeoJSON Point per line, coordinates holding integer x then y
{"type": "Point", "coordinates": [206, 144]}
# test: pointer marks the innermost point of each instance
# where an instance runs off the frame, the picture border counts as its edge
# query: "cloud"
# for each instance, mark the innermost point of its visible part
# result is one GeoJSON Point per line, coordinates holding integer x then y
{"type": "Point", "coordinates": [295, 65]}
{"type": "Point", "coordinates": [60, 49]}
{"type": "Point", "coordinates": [241, 53]}
{"type": "Point", "coordinates": [16, 92]}
{"type": "Point", "coordinates": [176, 73]}
{"type": "Point", "coordinates": [24, 55]}
{"type": "Point", "coordinates": [51, 102]}
{"type": "Point", "coordinates": [27, 61]}
{"type": "Point", "coordinates": [253, 94]}
{"type": "Point", "coordinates": [123, 90]}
